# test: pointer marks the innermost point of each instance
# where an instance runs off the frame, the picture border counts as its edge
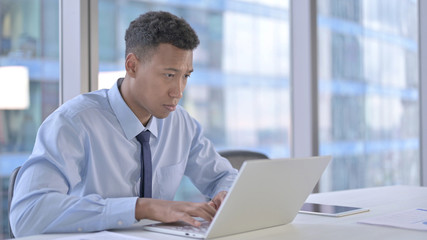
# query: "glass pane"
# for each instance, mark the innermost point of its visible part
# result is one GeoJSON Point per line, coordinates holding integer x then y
{"type": "Point", "coordinates": [29, 73]}
{"type": "Point", "coordinates": [368, 92]}
{"type": "Point", "coordinates": [239, 90]}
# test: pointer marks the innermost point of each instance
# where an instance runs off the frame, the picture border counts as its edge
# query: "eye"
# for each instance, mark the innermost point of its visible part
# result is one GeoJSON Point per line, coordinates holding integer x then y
{"type": "Point", "coordinates": [169, 75]}
{"type": "Point", "coordinates": [187, 75]}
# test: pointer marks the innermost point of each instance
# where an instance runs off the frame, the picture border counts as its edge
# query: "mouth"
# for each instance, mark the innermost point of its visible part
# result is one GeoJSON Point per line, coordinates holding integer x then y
{"type": "Point", "coordinates": [170, 108]}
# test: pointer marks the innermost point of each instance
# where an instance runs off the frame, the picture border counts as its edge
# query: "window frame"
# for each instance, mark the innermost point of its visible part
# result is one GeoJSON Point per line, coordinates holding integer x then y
{"type": "Point", "coordinates": [78, 53]}
{"type": "Point", "coordinates": [422, 53]}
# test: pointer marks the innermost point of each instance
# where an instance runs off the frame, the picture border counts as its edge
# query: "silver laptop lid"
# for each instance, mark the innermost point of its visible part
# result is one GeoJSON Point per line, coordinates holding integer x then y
{"type": "Point", "coordinates": [267, 193]}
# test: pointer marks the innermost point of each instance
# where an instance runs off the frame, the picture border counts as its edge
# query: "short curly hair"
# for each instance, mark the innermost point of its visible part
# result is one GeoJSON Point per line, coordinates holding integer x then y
{"type": "Point", "coordinates": [147, 31]}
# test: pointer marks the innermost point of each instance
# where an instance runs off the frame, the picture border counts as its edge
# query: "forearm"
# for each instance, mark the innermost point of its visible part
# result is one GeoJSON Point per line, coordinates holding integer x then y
{"type": "Point", "coordinates": [210, 185]}
{"type": "Point", "coordinates": [55, 212]}
{"type": "Point", "coordinates": [210, 172]}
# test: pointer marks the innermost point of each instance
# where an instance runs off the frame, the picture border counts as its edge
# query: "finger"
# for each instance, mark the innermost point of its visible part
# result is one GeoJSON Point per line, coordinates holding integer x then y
{"type": "Point", "coordinates": [217, 203]}
{"type": "Point", "coordinates": [211, 210]}
{"type": "Point", "coordinates": [190, 220]}
{"type": "Point", "coordinates": [212, 204]}
{"type": "Point", "coordinates": [219, 198]}
{"type": "Point", "coordinates": [204, 211]}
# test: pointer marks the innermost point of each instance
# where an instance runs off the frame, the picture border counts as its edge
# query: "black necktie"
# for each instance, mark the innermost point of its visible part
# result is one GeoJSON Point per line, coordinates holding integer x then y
{"type": "Point", "coordinates": [146, 171]}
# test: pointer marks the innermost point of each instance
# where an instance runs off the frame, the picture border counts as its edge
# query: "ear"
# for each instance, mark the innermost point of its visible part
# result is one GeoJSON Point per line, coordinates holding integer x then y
{"type": "Point", "coordinates": [131, 64]}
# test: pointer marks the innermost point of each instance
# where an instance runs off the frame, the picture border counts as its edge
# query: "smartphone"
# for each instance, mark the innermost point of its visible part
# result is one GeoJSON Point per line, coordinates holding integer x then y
{"type": "Point", "coordinates": [330, 210]}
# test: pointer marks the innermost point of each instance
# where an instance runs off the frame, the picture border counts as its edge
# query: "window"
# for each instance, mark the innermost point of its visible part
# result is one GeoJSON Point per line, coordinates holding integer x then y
{"type": "Point", "coordinates": [29, 73]}
{"type": "Point", "coordinates": [368, 92]}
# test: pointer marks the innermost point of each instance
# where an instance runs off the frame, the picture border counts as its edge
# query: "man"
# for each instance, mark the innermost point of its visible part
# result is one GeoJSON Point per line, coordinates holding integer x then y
{"type": "Point", "coordinates": [86, 173]}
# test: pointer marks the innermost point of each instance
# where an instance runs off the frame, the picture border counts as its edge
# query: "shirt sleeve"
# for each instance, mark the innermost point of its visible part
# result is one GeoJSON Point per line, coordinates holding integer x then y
{"type": "Point", "coordinates": [43, 199]}
{"type": "Point", "coordinates": [209, 172]}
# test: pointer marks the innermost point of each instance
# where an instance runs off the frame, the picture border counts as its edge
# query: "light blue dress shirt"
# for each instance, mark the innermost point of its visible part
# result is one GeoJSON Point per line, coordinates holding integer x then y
{"type": "Point", "coordinates": [84, 172]}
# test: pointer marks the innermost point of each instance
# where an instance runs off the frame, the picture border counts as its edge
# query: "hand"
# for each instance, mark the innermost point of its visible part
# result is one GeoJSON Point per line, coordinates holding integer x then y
{"type": "Point", "coordinates": [172, 211]}
{"type": "Point", "coordinates": [218, 199]}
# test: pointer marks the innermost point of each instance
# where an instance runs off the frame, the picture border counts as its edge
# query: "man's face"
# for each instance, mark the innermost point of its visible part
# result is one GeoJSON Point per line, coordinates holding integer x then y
{"type": "Point", "coordinates": [159, 81]}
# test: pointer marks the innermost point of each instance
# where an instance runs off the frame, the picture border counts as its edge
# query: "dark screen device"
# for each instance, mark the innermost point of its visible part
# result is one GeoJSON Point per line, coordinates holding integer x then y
{"type": "Point", "coordinates": [330, 210]}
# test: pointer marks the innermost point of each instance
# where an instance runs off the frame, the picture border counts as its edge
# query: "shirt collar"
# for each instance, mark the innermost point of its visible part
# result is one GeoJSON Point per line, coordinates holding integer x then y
{"type": "Point", "coordinates": [127, 119]}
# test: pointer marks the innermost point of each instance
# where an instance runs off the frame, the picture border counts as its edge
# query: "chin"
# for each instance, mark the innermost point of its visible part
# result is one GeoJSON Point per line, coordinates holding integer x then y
{"type": "Point", "coordinates": [162, 116]}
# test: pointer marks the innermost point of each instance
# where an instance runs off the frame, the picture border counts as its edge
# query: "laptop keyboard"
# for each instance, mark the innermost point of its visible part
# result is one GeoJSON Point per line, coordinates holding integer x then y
{"type": "Point", "coordinates": [191, 229]}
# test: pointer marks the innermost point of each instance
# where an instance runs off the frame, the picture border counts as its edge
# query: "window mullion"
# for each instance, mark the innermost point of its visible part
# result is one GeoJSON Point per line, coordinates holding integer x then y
{"type": "Point", "coordinates": [304, 136]}
{"type": "Point", "coordinates": [78, 49]}
{"type": "Point", "coordinates": [422, 15]}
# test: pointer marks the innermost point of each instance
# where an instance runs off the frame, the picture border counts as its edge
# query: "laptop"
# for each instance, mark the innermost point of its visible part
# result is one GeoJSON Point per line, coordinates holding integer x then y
{"type": "Point", "coordinates": [266, 193]}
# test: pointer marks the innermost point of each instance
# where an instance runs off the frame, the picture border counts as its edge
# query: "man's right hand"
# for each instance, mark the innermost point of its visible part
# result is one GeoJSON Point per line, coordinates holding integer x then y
{"type": "Point", "coordinates": [172, 211]}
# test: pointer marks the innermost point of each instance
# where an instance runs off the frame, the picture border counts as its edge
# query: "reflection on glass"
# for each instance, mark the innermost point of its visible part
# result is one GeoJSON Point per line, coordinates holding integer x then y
{"type": "Point", "coordinates": [368, 92]}
{"type": "Point", "coordinates": [29, 73]}
{"type": "Point", "coordinates": [239, 90]}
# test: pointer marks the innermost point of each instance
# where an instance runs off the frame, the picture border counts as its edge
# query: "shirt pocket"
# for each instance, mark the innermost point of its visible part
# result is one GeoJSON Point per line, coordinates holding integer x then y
{"type": "Point", "coordinates": [168, 180]}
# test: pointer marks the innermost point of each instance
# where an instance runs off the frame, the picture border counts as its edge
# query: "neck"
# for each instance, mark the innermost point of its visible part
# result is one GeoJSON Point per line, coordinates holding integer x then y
{"type": "Point", "coordinates": [125, 91]}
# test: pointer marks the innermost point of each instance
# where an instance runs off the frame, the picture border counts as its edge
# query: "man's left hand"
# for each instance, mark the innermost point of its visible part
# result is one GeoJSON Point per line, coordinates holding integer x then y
{"type": "Point", "coordinates": [218, 199]}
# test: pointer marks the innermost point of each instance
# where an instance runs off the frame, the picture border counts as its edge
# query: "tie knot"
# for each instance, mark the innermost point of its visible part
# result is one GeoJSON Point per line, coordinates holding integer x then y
{"type": "Point", "coordinates": [144, 136]}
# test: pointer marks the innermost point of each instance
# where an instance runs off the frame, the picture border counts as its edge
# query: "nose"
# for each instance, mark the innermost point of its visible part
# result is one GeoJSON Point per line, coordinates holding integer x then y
{"type": "Point", "coordinates": [177, 89]}
{"type": "Point", "coordinates": [175, 94]}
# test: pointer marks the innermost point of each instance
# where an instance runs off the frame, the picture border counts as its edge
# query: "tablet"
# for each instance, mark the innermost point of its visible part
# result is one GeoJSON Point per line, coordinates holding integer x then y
{"type": "Point", "coordinates": [330, 210]}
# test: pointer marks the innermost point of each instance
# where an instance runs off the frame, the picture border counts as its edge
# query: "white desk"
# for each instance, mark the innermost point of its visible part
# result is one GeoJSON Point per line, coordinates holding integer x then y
{"type": "Point", "coordinates": [382, 200]}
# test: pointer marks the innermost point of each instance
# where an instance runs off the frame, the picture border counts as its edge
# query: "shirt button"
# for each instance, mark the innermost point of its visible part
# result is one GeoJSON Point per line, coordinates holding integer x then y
{"type": "Point", "coordinates": [79, 229]}
{"type": "Point", "coordinates": [120, 223]}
